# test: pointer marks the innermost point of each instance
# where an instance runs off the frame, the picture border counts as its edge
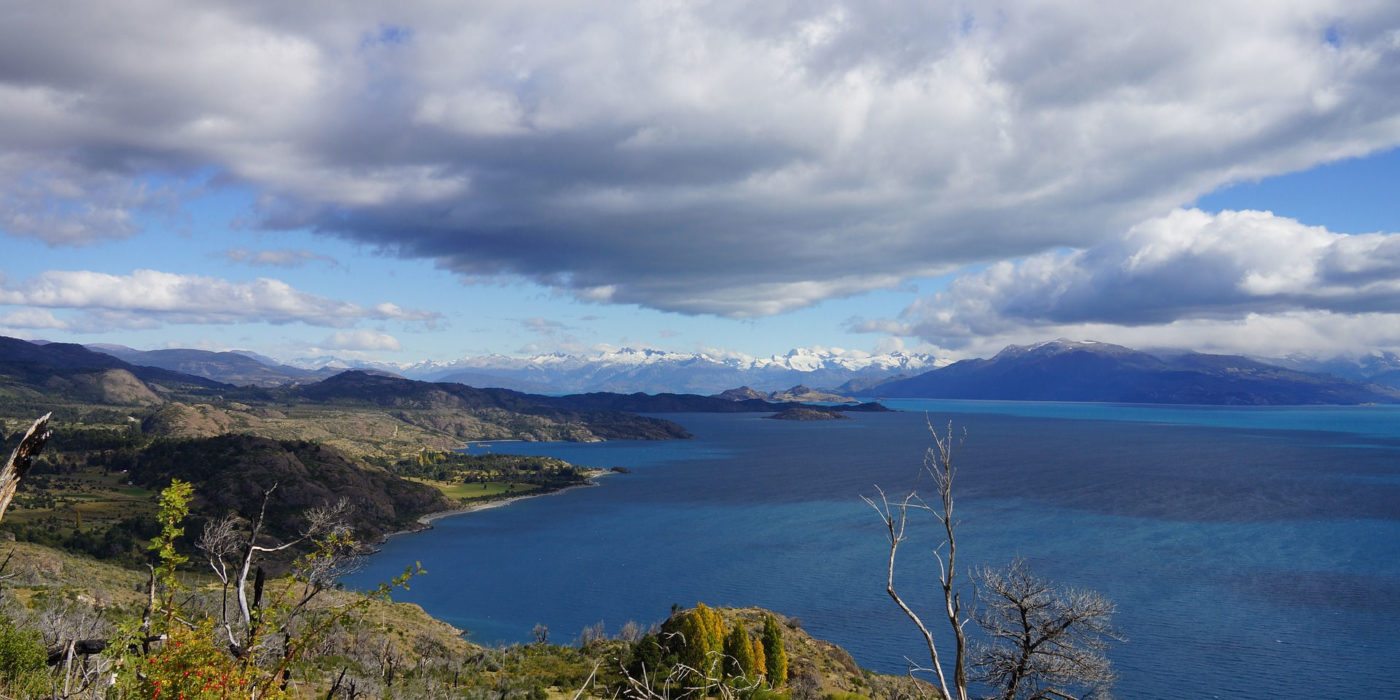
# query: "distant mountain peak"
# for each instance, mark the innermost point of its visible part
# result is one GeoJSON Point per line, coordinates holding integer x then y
{"type": "Point", "coordinates": [1059, 345]}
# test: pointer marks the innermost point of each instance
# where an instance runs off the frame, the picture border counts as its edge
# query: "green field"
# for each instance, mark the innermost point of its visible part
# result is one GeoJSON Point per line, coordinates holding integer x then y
{"type": "Point", "coordinates": [102, 499]}
{"type": "Point", "coordinates": [474, 491]}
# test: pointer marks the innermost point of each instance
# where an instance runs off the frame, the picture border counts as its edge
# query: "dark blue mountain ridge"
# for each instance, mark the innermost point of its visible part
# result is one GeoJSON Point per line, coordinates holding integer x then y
{"type": "Point", "coordinates": [1063, 370]}
{"type": "Point", "coordinates": [230, 367]}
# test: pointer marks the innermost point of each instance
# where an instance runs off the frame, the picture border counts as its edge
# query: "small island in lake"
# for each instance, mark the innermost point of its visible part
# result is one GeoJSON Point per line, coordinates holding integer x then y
{"type": "Point", "coordinates": [806, 413]}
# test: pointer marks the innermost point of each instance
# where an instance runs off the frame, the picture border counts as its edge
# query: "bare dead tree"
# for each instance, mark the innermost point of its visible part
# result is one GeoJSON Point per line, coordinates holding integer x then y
{"type": "Point", "coordinates": [221, 540]}
{"type": "Point", "coordinates": [938, 463]}
{"type": "Point", "coordinates": [1045, 642]}
{"type": "Point", "coordinates": [22, 459]}
{"type": "Point", "coordinates": [632, 632]}
{"type": "Point", "coordinates": [592, 634]}
{"type": "Point", "coordinates": [232, 546]}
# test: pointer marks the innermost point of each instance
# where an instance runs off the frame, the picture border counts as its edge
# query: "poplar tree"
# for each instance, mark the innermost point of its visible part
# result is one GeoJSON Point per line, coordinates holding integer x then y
{"type": "Point", "coordinates": [760, 659]}
{"type": "Point", "coordinates": [701, 634]}
{"type": "Point", "coordinates": [713, 625]}
{"type": "Point", "coordinates": [738, 651]}
{"type": "Point", "coordinates": [693, 636]}
{"type": "Point", "coordinates": [774, 652]}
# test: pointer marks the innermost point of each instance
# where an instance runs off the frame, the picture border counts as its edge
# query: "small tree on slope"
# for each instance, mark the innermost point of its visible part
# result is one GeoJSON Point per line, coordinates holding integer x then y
{"type": "Point", "coordinates": [738, 652]}
{"type": "Point", "coordinates": [774, 653]}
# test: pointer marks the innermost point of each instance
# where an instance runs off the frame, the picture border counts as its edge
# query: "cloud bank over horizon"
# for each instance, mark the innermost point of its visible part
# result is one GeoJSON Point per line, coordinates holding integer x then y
{"type": "Point", "coordinates": [726, 159]}
{"type": "Point", "coordinates": [1246, 280]}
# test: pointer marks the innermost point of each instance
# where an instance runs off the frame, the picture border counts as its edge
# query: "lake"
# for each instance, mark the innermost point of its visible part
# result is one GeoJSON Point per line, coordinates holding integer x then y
{"type": "Point", "coordinates": [1253, 552]}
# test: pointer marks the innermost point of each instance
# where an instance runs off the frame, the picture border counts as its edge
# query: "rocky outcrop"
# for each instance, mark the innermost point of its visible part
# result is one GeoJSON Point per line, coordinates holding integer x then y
{"type": "Point", "coordinates": [807, 413]}
{"type": "Point", "coordinates": [742, 393]}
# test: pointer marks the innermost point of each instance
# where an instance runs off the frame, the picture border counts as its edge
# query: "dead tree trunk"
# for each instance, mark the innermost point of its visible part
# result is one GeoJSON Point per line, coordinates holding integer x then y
{"type": "Point", "coordinates": [22, 459]}
{"type": "Point", "coordinates": [939, 465]}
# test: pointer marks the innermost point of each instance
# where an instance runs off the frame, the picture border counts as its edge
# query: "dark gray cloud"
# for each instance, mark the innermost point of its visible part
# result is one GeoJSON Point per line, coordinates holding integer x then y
{"type": "Point", "coordinates": [721, 158]}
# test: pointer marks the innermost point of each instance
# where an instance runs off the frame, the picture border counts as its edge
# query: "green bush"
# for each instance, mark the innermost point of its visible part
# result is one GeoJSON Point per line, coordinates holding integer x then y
{"type": "Point", "coordinates": [22, 658]}
{"type": "Point", "coordinates": [769, 694]}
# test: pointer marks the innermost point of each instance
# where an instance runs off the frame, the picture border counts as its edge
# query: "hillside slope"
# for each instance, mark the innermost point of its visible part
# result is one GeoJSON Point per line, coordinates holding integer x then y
{"type": "Point", "coordinates": [231, 473]}
{"type": "Point", "coordinates": [471, 414]}
{"type": "Point", "coordinates": [72, 371]}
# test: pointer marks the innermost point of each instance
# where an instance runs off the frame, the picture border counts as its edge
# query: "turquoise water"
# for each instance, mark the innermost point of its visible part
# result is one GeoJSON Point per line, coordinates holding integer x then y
{"type": "Point", "coordinates": [1252, 552]}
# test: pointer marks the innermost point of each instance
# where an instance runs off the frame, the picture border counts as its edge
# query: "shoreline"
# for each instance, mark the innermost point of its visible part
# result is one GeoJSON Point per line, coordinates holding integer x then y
{"type": "Point", "coordinates": [425, 521]}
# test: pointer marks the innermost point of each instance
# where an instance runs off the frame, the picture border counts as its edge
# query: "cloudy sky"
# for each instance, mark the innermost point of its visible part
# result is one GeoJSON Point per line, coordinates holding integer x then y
{"type": "Point", "coordinates": [413, 180]}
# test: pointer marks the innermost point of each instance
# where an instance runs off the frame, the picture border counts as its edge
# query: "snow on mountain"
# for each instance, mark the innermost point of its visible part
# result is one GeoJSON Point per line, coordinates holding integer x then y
{"type": "Point", "coordinates": [322, 362]}
{"type": "Point", "coordinates": [628, 369]}
{"type": "Point", "coordinates": [1377, 366]}
{"type": "Point", "coordinates": [332, 362]}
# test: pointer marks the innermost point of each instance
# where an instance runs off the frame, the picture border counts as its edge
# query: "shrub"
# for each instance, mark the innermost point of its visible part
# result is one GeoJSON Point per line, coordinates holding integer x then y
{"type": "Point", "coordinates": [189, 665]}
{"type": "Point", "coordinates": [22, 657]}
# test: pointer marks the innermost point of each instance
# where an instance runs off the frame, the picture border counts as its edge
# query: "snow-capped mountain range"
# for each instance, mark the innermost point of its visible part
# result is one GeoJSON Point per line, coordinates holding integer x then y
{"type": "Point", "coordinates": [627, 370]}
{"type": "Point", "coordinates": [652, 371]}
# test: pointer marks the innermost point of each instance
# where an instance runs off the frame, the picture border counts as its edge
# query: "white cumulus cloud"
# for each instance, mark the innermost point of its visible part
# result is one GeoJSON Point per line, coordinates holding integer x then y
{"type": "Point", "coordinates": [148, 298]}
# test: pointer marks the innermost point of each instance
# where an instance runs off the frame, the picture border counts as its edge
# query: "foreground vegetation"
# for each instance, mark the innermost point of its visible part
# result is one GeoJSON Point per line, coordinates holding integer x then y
{"type": "Point", "coordinates": [348, 645]}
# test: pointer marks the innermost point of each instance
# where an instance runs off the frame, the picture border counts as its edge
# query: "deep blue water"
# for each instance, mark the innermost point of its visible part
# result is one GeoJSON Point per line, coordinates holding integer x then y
{"type": "Point", "coordinates": [1253, 553]}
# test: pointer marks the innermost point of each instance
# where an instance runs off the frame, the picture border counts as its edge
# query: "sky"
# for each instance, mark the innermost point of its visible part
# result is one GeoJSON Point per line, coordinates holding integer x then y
{"type": "Point", "coordinates": [427, 180]}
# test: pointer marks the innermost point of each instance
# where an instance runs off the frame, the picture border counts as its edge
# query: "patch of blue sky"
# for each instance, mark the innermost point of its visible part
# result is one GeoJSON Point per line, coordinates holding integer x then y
{"type": "Point", "coordinates": [1357, 195]}
{"type": "Point", "coordinates": [387, 35]}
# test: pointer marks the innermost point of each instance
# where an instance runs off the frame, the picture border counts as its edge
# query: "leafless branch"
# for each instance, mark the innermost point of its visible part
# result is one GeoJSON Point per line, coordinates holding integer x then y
{"type": "Point", "coordinates": [1044, 640]}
